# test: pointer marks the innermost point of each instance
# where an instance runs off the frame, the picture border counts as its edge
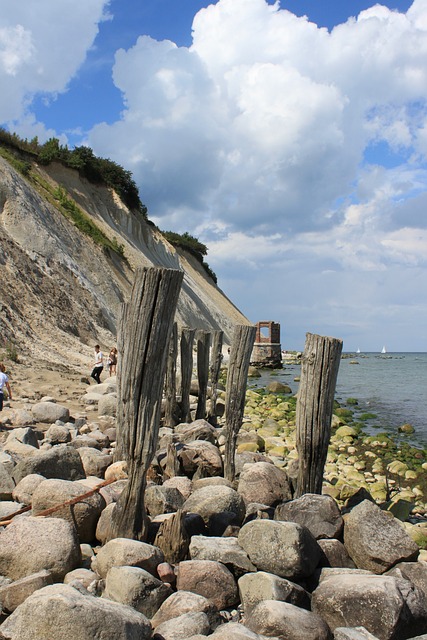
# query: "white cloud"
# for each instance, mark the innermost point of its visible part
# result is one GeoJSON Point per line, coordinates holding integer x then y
{"type": "Point", "coordinates": [42, 45]}
{"type": "Point", "coordinates": [256, 138]}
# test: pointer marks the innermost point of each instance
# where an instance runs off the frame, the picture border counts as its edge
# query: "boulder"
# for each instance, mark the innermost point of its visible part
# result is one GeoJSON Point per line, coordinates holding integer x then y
{"type": "Point", "coordinates": [286, 549]}
{"type": "Point", "coordinates": [278, 387]}
{"type": "Point", "coordinates": [284, 620]}
{"type": "Point", "coordinates": [265, 483]}
{"type": "Point", "coordinates": [183, 627]}
{"type": "Point", "coordinates": [319, 513]}
{"type": "Point", "coordinates": [160, 499]}
{"type": "Point", "coordinates": [23, 492]}
{"type": "Point", "coordinates": [415, 572]}
{"type": "Point", "coordinates": [9, 507]}
{"type": "Point", "coordinates": [84, 440]}
{"type": "Point", "coordinates": [200, 456]}
{"type": "Point", "coordinates": [111, 493]}
{"type": "Point", "coordinates": [255, 587]}
{"type": "Point", "coordinates": [234, 631]}
{"type": "Point", "coordinates": [137, 588]}
{"type": "Point", "coordinates": [6, 461]}
{"type": "Point", "coordinates": [197, 430]}
{"type": "Point", "coordinates": [209, 579]}
{"type": "Point", "coordinates": [182, 483]}
{"type": "Point", "coordinates": [375, 540]}
{"type": "Point", "coordinates": [58, 434]}
{"type": "Point", "coordinates": [84, 576]}
{"type": "Point", "coordinates": [14, 594]}
{"type": "Point", "coordinates": [61, 462]}
{"type": "Point", "coordinates": [123, 551]}
{"type": "Point", "coordinates": [224, 550]}
{"type": "Point", "coordinates": [214, 481]}
{"type": "Point", "coordinates": [117, 470]}
{"type": "Point", "coordinates": [22, 418]}
{"type": "Point", "coordinates": [388, 607]}
{"type": "Point", "coordinates": [334, 554]}
{"type": "Point", "coordinates": [103, 528]}
{"type": "Point", "coordinates": [7, 484]}
{"type": "Point", "coordinates": [50, 412]}
{"type": "Point", "coordinates": [64, 613]}
{"type": "Point", "coordinates": [84, 515]}
{"type": "Point", "coordinates": [94, 462]}
{"type": "Point", "coordinates": [29, 545]}
{"type": "Point", "coordinates": [107, 405]}
{"type": "Point", "coordinates": [25, 435]}
{"type": "Point", "coordinates": [353, 633]}
{"type": "Point", "coordinates": [218, 506]}
{"type": "Point", "coordinates": [182, 602]}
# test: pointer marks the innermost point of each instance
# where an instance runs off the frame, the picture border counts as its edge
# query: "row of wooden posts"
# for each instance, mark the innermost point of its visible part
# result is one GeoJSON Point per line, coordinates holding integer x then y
{"type": "Point", "coordinates": [148, 348]}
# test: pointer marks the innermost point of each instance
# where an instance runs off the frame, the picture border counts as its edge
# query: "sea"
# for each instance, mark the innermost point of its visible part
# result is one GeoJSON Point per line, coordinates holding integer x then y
{"type": "Point", "coordinates": [392, 387]}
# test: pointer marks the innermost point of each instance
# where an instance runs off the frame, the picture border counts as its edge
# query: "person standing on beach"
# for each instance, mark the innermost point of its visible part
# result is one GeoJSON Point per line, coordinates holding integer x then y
{"type": "Point", "coordinates": [4, 382]}
{"type": "Point", "coordinates": [112, 361]}
{"type": "Point", "coordinates": [98, 365]}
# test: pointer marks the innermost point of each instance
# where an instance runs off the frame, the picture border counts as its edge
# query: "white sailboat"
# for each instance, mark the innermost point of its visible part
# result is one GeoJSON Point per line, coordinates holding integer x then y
{"type": "Point", "coordinates": [384, 350]}
{"type": "Point", "coordinates": [357, 350]}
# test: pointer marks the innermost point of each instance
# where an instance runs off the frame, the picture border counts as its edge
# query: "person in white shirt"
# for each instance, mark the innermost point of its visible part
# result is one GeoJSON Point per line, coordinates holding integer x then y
{"type": "Point", "coordinates": [98, 365]}
{"type": "Point", "coordinates": [4, 382]}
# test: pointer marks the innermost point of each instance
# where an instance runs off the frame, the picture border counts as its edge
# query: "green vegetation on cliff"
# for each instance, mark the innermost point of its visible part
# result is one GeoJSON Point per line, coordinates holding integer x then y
{"type": "Point", "coordinates": [191, 244]}
{"type": "Point", "coordinates": [95, 170]}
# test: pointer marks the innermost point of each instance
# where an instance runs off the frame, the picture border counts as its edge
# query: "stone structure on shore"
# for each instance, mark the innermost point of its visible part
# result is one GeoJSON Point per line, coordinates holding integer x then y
{"type": "Point", "coordinates": [267, 350]}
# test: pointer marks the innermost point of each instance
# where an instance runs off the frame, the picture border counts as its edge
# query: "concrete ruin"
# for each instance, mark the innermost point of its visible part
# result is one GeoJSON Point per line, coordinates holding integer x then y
{"type": "Point", "coordinates": [267, 351]}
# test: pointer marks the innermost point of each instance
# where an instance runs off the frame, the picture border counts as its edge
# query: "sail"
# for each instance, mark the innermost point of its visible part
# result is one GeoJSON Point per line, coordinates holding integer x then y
{"type": "Point", "coordinates": [384, 350]}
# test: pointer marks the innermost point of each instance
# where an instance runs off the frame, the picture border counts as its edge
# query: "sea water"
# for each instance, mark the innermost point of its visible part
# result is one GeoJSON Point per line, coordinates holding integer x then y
{"type": "Point", "coordinates": [392, 387]}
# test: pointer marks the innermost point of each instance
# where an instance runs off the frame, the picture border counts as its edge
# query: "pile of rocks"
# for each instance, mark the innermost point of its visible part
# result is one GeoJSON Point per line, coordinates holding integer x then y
{"type": "Point", "coordinates": [256, 564]}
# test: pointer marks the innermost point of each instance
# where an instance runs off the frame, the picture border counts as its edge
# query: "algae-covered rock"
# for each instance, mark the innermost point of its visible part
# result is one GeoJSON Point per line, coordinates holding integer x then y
{"type": "Point", "coordinates": [397, 467]}
{"type": "Point", "coordinates": [344, 431]}
{"type": "Point", "coordinates": [406, 428]}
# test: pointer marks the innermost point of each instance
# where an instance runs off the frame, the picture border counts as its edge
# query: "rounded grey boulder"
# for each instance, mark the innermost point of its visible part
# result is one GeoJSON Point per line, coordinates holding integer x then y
{"type": "Point", "coordinates": [29, 545]}
{"type": "Point", "coordinates": [61, 612]}
{"type": "Point", "coordinates": [286, 549]}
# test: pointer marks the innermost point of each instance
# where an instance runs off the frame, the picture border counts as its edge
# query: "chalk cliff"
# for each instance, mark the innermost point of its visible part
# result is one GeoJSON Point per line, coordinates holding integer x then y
{"type": "Point", "coordinates": [60, 291]}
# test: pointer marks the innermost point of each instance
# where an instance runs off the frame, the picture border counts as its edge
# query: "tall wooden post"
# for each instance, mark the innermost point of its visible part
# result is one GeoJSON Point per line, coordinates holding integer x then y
{"type": "Point", "coordinates": [187, 338]}
{"type": "Point", "coordinates": [170, 378]}
{"type": "Point", "coordinates": [203, 342]}
{"type": "Point", "coordinates": [319, 371]}
{"type": "Point", "coordinates": [240, 356]}
{"type": "Point", "coordinates": [144, 340]}
{"type": "Point", "coordinates": [214, 369]}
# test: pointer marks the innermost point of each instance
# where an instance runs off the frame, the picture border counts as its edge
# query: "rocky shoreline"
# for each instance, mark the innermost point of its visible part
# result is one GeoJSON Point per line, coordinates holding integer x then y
{"type": "Point", "coordinates": [253, 561]}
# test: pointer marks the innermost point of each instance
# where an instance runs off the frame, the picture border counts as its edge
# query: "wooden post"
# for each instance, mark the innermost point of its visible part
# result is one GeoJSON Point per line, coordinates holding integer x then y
{"type": "Point", "coordinates": [203, 341]}
{"type": "Point", "coordinates": [120, 418]}
{"type": "Point", "coordinates": [170, 379]}
{"type": "Point", "coordinates": [187, 338]}
{"type": "Point", "coordinates": [319, 370]}
{"type": "Point", "coordinates": [144, 340]}
{"type": "Point", "coordinates": [240, 356]}
{"type": "Point", "coordinates": [214, 370]}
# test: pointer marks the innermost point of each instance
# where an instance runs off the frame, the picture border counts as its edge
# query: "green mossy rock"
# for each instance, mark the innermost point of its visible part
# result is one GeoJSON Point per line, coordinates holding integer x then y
{"type": "Point", "coordinates": [278, 387]}
{"type": "Point", "coordinates": [401, 509]}
{"type": "Point", "coordinates": [345, 431]}
{"type": "Point", "coordinates": [406, 428]}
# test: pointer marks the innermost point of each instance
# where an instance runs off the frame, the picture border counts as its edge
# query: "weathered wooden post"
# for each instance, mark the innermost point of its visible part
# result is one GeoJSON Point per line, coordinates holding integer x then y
{"type": "Point", "coordinates": [170, 378]}
{"type": "Point", "coordinates": [203, 342]}
{"type": "Point", "coordinates": [144, 340]}
{"type": "Point", "coordinates": [187, 338]}
{"type": "Point", "coordinates": [240, 356]}
{"type": "Point", "coordinates": [214, 370]}
{"type": "Point", "coordinates": [319, 371]}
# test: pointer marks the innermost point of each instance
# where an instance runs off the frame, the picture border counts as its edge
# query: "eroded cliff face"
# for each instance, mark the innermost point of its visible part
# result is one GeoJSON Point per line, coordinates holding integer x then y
{"type": "Point", "coordinates": [60, 292]}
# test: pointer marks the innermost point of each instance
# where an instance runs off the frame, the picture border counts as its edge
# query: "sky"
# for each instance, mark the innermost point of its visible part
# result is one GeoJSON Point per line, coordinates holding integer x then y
{"type": "Point", "coordinates": [290, 138]}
